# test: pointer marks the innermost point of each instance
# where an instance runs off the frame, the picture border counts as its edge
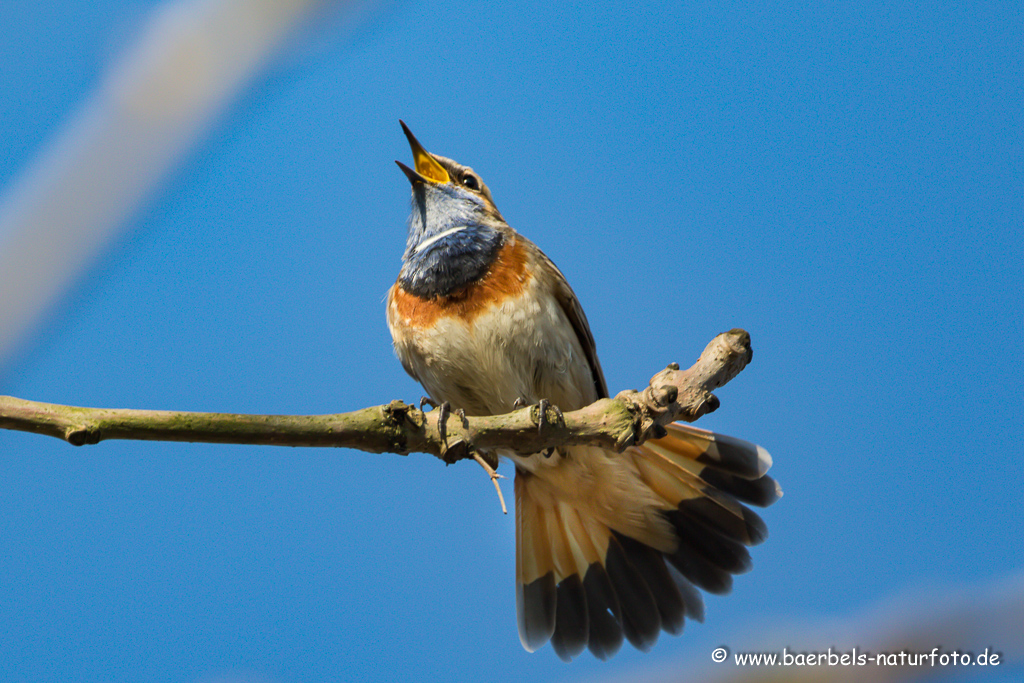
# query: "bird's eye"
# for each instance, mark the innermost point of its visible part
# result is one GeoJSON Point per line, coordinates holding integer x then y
{"type": "Point", "coordinates": [471, 181]}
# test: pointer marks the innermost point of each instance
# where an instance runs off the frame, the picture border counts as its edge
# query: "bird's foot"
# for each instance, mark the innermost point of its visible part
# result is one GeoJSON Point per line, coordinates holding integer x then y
{"type": "Point", "coordinates": [450, 452]}
{"type": "Point", "coordinates": [542, 414]}
{"type": "Point", "coordinates": [427, 401]}
{"type": "Point", "coordinates": [443, 410]}
{"type": "Point", "coordinates": [541, 418]}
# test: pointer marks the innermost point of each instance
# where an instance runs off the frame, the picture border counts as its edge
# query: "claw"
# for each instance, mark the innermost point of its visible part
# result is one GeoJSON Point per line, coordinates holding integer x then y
{"type": "Point", "coordinates": [427, 401]}
{"type": "Point", "coordinates": [442, 420]}
{"type": "Point", "coordinates": [519, 403]}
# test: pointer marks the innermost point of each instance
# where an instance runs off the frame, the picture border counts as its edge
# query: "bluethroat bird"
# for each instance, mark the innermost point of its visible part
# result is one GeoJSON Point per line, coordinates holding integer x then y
{"type": "Point", "coordinates": [608, 545]}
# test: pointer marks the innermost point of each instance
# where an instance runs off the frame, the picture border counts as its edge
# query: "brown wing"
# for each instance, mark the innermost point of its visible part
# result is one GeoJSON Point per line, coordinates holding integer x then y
{"type": "Point", "coordinates": [571, 305]}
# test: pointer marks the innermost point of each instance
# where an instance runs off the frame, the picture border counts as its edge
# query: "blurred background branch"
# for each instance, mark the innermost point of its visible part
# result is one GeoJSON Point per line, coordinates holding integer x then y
{"type": "Point", "coordinates": [154, 105]}
{"type": "Point", "coordinates": [975, 619]}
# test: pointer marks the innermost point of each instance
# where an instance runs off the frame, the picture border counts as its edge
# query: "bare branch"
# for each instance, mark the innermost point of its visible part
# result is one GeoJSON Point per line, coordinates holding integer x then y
{"type": "Point", "coordinates": [628, 419]}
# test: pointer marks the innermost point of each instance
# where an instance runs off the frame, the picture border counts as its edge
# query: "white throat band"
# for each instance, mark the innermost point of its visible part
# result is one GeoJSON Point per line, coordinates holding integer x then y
{"type": "Point", "coordinates": [426, 243]}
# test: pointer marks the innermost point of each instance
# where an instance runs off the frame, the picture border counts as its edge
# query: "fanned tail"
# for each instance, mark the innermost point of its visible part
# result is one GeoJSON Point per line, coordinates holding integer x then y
{"type": "Point", "coordinates": [582, 578]}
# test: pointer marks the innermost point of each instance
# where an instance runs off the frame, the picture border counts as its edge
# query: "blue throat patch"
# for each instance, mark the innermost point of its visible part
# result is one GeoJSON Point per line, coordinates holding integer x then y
{"type": "Point", "coordinates": [451, 244]}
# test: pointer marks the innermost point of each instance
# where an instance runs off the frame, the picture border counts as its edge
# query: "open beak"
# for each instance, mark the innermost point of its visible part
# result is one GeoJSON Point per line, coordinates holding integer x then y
{"type": "Point", "coordinates": [427, 168]}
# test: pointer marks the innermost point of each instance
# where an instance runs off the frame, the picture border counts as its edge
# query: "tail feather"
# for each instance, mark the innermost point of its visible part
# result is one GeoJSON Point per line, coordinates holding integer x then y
{"type": "Point", "coordinates": [720, 551]}
{"type": "Point", "coordinates": [722, 514]}
{"type": "Point", "coordinates": [692, 598]}
{"type": "Point", "coordinates": [690, 494]}
{"type": "Point", "coordinates": [689, 558]}
{"type": "Point", "coordinates": [761, 492]}
{"type": "Point", "coordinates": [535, 598]}
{"type": "Point", "coordinates": [604, 612]}
{"type": "Point", "coordinates": [740, 460]}
{"type": "Point", "coordinates": [651, 567]}
{"type": "Point", "coordinates": [605, 608]}
{"type": "Point", "coordinates": [726, 453]}
{"type": "Point", "coordinates": [572, 619]}
{"type": "Point", "coordinates": [584, 580]}
{"type": "Point", "coordinates": [641, 621]}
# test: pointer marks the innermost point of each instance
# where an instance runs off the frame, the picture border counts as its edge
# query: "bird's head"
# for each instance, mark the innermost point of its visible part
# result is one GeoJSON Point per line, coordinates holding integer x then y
{"type": "Point", "coordinates": [454, 227]}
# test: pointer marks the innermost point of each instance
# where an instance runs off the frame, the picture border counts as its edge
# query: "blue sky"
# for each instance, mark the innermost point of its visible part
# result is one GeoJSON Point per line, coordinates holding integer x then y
{"type": "Point", "coordinates": [843, 180]}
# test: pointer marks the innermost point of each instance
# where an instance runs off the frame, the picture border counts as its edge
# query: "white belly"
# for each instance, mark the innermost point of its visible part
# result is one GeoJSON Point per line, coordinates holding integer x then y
{"type": "Point", "coordinates": [523, 348]}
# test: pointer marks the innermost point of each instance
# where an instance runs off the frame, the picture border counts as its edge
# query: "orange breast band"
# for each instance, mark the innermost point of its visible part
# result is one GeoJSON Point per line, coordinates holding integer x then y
{"type": "Point", "coordinates": [507, 277]}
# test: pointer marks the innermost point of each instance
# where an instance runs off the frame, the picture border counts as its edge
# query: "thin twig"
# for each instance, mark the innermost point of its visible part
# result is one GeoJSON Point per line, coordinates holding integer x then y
{"type": "Point", "coordinates": [494, 477]}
